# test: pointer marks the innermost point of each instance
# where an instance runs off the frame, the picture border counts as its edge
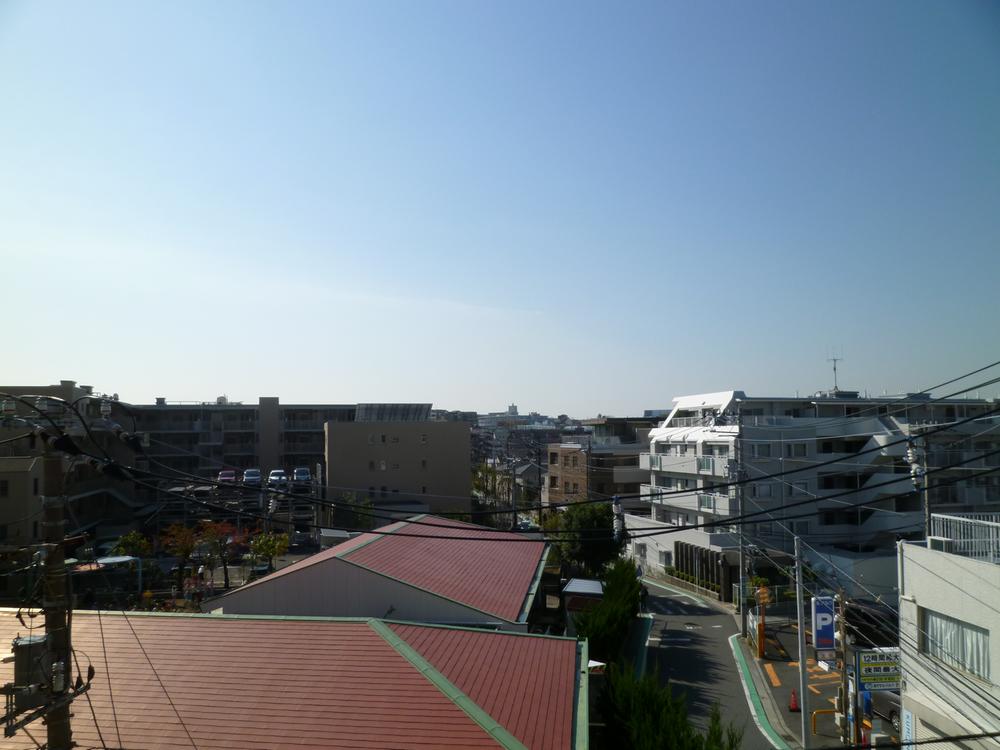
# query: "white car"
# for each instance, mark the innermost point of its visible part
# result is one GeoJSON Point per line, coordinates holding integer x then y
{"type": "Point", "coordinates": [277, 479]}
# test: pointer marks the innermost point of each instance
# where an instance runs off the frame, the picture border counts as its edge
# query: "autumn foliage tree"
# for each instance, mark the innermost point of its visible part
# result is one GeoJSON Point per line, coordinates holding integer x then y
{"type": "Point", "coordinates": [222, 539]}
{"type": "Point", "coordinates": [268, 546]}
{"type": "Point", "coordinates": [181, 542]}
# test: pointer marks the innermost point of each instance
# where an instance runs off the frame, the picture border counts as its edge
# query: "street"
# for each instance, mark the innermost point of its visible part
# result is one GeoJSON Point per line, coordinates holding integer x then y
{"type": "Point", "coordinates": [689, 647]}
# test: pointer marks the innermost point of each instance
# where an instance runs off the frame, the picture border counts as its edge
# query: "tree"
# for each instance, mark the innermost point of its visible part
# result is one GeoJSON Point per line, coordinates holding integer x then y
{"type": "Point", "coordinates": [587, 538]}
{"type": "Point", "coordinates": [181, 542]}
{"type": "Point", "coordinates": [268, 546]}
{"type": "Point", "coordinates": [222, 539]}
{"type": "Point", "coordinates": [134, 544]}
{"type": "Point", "coordinates": [642, 714]}
{"type": "Point", "coordinates": [606, 625]}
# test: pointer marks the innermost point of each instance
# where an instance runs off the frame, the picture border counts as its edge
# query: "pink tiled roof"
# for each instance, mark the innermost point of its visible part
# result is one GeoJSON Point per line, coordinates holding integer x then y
{"type": "Point", "coordinates": [524, 682]}
{"type": "Point", "coordinates": [492, 571]}
{"type": "Point", "coordinates": [259, 683]}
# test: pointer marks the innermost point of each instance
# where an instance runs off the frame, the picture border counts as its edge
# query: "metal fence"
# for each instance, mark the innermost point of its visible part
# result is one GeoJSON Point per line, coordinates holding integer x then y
{"type": "Point", "coordinates": [975, 535]}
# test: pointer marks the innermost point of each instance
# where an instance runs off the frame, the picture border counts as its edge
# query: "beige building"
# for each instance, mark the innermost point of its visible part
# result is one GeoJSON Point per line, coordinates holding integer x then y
{"type": "Point", "coordinates": [401, 466]}
{"type": "Point", "coordinates": [568, 475]}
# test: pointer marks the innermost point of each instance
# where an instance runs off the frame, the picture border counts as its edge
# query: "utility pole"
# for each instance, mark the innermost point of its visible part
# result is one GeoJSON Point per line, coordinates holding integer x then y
{"type": "Point", "coordinates": [803, 699]}
{"type": "Point", "coordinates": [55, 602]}
{"type": "Point", "coordinates": [735, 476]}
{"type": "Point", "coordinates": [918, 470]}
{"type": "Point", "coordinates": [845, 692]}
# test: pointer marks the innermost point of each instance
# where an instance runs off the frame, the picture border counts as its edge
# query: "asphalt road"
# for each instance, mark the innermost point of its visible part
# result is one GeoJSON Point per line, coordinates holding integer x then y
{"type": "Point", "coordinates": [689, 647]}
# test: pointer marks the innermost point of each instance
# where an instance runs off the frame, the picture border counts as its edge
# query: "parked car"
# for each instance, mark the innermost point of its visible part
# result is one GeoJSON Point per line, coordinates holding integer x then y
{"type": "Point", "coordinates": [227, 475]}
{"type": "Point", "coordinates": [277, 479]}
{"type": "Point", "coordinates": [301, 479]}
{"type": "Point", "coordinates": [251, 477]}
{"type": "Point", "coordinates": [885, 703]}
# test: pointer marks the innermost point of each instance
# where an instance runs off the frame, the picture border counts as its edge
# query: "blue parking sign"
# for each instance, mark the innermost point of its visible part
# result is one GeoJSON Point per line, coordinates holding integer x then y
{"type": "Point", "coordinates": [822, 623]}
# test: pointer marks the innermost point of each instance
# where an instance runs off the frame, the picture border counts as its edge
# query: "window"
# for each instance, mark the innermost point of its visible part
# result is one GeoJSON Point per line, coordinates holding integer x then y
{"type": "Point", "coordinates": [34, 486]}
{"type": "Point", "coordinates": [553, 459]}
{"type": "Point", "coordinates": [423, 464]}
{"type": "Point", "coordinates": [381, 465]}
{"type": "Point", "coordinates": [956, 643]}
{"type": "Point", "coordinates": [565, 486]}
{"type": "Point", "coordinates": [763, 489]}
{"type": "Point", "coordinates": [553, 483]}
{"type": "Point", "coordinates": [575, 461]}
{"type": "Point", "coordinates": [423, 490]}
{"type": "Point", "coordinates": [371, 466]}
{"type": "Point", "coordinates": [383, 437]}
{"type": "Point", "coordinates": [640, 551]}
{"type": "Point", "coordinates": [3, 488]}
{"type": "Point", "coordinates": [760, 450]}
{"type": "Point", "coordinates": [576, 487]}
{"type": "Point", "coordinates": [3, 531]}
{"type": "Point", "coordinates": [566, 462]}
{"type": "Point", "coordinates": [795, 450]}
{"type": "Point", "coordinates": [800, 488]}
{"type": "Point", "coordinates": [423, 438]}
{"type": "Point", "coordinates": [666, 559]}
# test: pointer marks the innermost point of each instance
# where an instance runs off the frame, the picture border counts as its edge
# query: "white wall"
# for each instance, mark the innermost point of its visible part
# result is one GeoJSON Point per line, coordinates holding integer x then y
{"type": "Point", "coordinates": [945, 700]}
{"type": "Point", "coordinates": [335, 588]}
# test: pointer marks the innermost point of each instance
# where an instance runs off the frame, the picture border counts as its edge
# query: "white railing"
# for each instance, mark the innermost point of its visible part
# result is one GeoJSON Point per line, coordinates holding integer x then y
{"type": "Point", "coordinates": [975, 535]}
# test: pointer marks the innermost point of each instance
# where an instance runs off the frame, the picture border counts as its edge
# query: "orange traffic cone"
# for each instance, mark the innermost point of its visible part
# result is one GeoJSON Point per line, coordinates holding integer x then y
{"type": "Point", "coordinates": [793, 703]}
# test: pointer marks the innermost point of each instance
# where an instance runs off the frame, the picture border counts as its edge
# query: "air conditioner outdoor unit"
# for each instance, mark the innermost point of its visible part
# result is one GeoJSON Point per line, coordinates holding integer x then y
{"type": "Point", "coordinates": [940, 543]}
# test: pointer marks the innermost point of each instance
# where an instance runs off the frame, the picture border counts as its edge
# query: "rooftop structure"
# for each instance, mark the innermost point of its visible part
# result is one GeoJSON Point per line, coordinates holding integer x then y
{"type": "Point", "coordinates": [446, 572]}
{"type": "Point", "coordinates": [173, 681]}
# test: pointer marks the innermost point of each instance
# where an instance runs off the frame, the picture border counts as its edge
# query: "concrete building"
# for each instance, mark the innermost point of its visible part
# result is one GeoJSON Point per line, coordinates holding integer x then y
{"type": "Point", "coordinates": [602, 463]}
{"type": "Point", "coordinates": [696, 446]}
{"type": "Point", "coordinates": [99, 505]}
{"type": "Point", "coordinates": [949, 629]}
{"type": "Point", "coordinates": [404, 466]}
{"type": "Point", "coordinates": [202, 438]}
{"type": "Point", "coordinates": [446, 572]}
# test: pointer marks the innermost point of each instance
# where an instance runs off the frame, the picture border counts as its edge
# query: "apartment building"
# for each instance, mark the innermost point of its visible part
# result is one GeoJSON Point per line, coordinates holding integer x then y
{"type": "Point", "coordinates": [98, 504]}
{"type": "Point", "coordinates": [949, 629]}
{"type": "Point", "coordinates": [202, 438]}
{"type": "Point", "coordinates": [401, 466]}
{"type": "Point", "coordinates": [601, 463]}
{"type": "Point", "coordinates": [695, 449]}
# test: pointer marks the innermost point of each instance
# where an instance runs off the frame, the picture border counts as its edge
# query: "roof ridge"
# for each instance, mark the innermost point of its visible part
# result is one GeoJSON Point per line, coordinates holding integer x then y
{"type": "Point", "coordinates": [474, 629]}
{"type": "Point", "coordinates": [472, 709]}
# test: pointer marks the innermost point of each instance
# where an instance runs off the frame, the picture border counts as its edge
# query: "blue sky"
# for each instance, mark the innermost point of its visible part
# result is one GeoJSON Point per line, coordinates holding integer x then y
{"type": "Point", "coordinates": [578, 207]}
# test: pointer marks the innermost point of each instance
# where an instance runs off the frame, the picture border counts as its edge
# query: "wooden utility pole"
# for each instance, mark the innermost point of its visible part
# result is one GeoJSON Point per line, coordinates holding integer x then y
{"type": "Point", "coordinates": [55, 603]}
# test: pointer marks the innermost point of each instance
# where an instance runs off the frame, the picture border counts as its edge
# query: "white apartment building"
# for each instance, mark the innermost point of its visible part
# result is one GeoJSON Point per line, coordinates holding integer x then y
{"type": "Point", "coordinates": [949, 628]}
{"type": "Point", "coordinates": [696, 448]}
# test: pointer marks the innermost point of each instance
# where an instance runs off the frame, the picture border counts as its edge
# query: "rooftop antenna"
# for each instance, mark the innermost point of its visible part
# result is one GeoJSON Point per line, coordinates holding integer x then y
{"type": "Point", "coordinates": [835, 360]}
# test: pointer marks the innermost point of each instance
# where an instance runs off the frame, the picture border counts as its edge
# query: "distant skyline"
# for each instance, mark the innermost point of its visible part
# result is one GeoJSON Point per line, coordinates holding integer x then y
{"type": "Point", "coordinates": [577, 207]}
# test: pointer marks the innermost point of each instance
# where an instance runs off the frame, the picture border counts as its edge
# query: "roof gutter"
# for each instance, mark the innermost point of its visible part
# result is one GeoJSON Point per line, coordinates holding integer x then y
{"type": "Point", "coordinates": [529, 598]}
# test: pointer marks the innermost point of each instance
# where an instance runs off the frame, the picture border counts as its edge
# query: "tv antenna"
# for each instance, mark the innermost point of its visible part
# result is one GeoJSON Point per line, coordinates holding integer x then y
{"type": "Point", "coordinates": [835, 360]}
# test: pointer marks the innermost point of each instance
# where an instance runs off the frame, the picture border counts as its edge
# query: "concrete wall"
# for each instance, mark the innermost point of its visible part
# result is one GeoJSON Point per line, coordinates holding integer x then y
{"type": "Point", "coordinates": [268, 432]}
{"type": "Point", "coordinates": [945, 700]}
{"type": "Point", "coordinates": [335, 588]}
{"type": "Point", "coordinates": [426, 462]}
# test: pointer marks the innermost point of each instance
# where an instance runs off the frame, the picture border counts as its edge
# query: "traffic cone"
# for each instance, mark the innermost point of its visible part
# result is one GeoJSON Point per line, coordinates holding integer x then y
{"type": "Point", "coordinates": [793, 703]}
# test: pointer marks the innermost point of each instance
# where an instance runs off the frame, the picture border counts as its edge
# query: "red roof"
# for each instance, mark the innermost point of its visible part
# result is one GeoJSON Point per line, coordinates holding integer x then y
{"type": "Point", "coordinates": [259, 683]}
{"type": "Point", "coordinates": [492, 571]}
{"type": "Point", "coordinates": [526, 683]}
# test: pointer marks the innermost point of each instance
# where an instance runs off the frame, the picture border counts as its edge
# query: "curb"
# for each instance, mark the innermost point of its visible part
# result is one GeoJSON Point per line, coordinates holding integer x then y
{"type": "Point", "coordinates": [715, 604]}
{"type": "Point", "coordinates": [760, 717]}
